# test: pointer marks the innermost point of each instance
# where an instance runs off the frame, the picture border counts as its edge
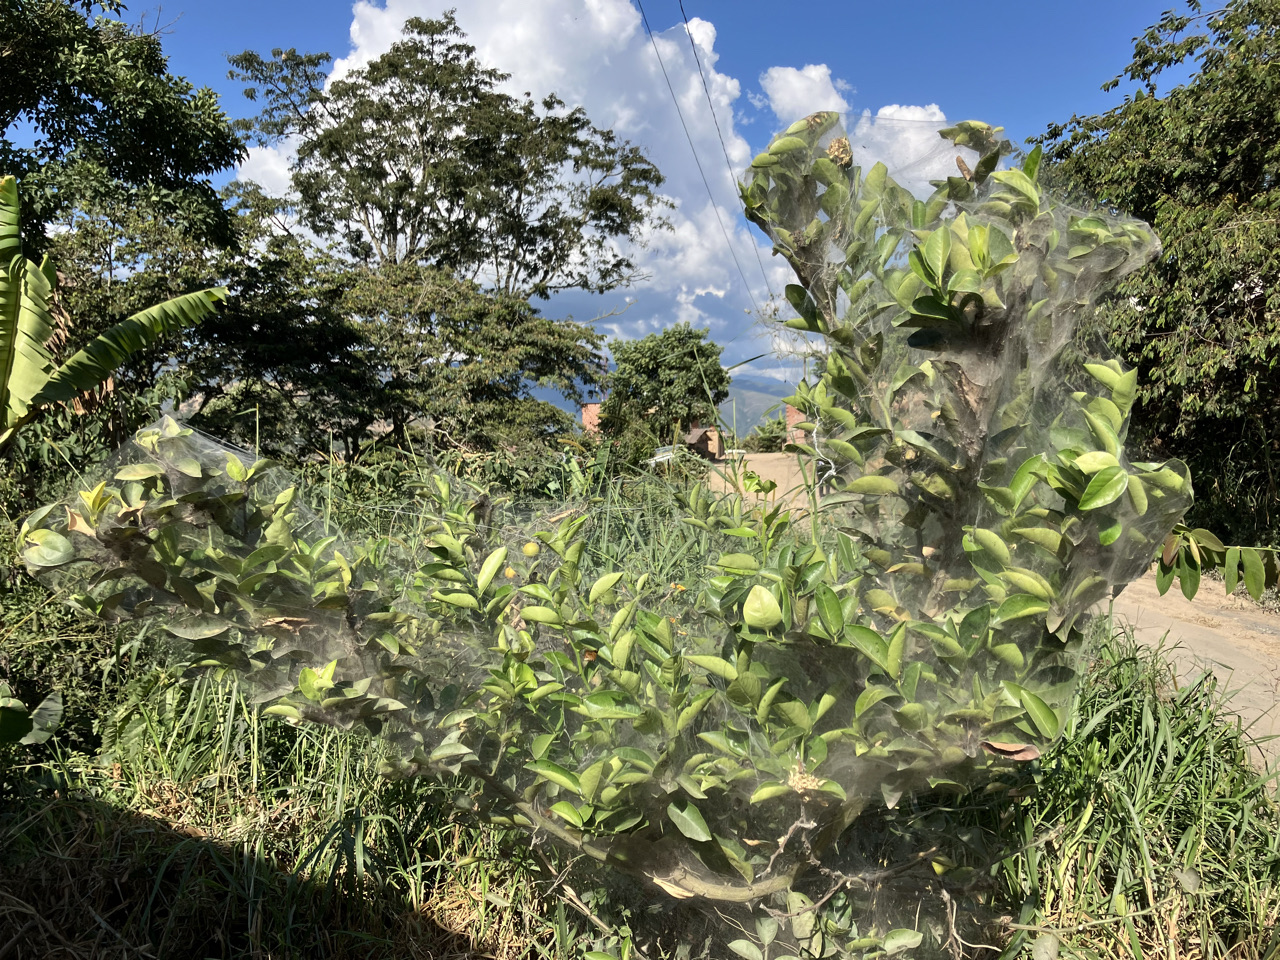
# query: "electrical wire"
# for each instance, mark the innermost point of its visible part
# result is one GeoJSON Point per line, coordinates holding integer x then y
{"type": "Point", "coordinates": [720, 136]}
{"type": "Point", "coordinates": [697, 160]}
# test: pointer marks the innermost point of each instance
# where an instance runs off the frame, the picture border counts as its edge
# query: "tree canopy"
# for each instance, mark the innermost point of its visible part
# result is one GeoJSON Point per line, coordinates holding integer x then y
{"type": "Point", "coordinates": [1201, 163]}
{"type": "Point", "coordinates": [418, 157]}
{"type": "Point", "coordinates": [88, 107]}
{"type": "Point", "coordinates": [666, 380]}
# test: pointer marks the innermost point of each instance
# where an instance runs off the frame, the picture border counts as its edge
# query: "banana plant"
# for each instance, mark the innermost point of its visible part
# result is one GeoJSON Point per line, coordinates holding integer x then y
{"type": "Point", "coordinates": [29, 377]}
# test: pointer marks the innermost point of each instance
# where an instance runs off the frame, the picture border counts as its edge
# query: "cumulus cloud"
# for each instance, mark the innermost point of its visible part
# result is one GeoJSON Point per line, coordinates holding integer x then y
{"type": "Point", "coordinates": [793, 93]}
{"type": "Point", "coordinates": [597, 54]}
{"type": "Point", "coordinates": [905, 139]}
{"type": "Point", "coordinates": [269, 168]}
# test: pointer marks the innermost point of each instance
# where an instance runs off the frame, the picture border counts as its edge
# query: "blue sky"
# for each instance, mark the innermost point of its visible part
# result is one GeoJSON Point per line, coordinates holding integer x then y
{"type": "Point", "coordinates": [1022, 65]}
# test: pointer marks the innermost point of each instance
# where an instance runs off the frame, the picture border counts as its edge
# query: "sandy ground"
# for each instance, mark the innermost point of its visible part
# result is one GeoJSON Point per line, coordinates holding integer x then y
{"type": "Point", "coordinates": [1230, 636]}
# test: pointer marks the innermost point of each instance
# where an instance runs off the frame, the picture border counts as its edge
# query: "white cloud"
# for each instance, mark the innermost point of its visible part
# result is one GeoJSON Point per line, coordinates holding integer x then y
{"type": "Point", "coordinates": [269, 168]}
{"type": "Point", "coordinates": [905, 139]}
{"type": "Point", "coordinates": [596, 54]}
{"type": "Point", "coordinates": [794, 94]}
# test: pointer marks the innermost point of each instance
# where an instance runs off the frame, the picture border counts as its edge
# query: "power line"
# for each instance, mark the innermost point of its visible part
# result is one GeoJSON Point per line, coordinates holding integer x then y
{"type": "Point", "coordinates": [697, 161]}
{"type": "Point", "coordinates": [723, 149]}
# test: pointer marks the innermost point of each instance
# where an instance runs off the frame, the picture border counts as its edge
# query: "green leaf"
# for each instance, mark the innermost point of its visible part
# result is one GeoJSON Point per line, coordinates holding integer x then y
{"type": "Point", "coordinates": [1188, 571]}
{"type": "Point", "coordinates": [1107, 486]}
{"type": "Point", "coordinates": [870, 643]}
{"type": "Point", "coordinates": [896, 941]}
{"type": "Point", "coordinates": [1231, 569]}
{"type": "Point", "coordinates": [768, 790]}
{"type": "Point", "coordinates": [716, 665]}
{"type": "Point", "coordinates": [603, 586]}
{"type": "Point", "coordinates": [1042, 715]}
{"type": "Point", "coordinates": [937, 251]}
{"type": "Point", "coordinates": [1020, 182]}
{"type": "Point", "coordinates": [99, 359]}
{"type": "Point", "coordinates": [489, 569]}
{"type": "Point", "coordinates": [1255, 575]}
{"type": "Point", "coordinates": [556, 774]}
{"type": "Point", "coordinates": [829, 609]}
{"type": "Point", "coordinates": [873, 694]}
{"type": "Point", "coordinates": [139, 471]}
{"type": "Point", "coordinates": [747, 949]}
{"type": "Point", "coordinates": [537, 614]}
{"type": "Point", "coordinates": [993, 543]}
{"type": "Point", "coordinates": [688, 820]}
{"type": "Point", "coordinates": [463, 600]}
{"type": "Point", "coordinates": [761, 610]}
{"type": "Point", "coordinates": [200, 627]}
{"type": "Point", "coordinates": [568, 812]}
{"type": "Point", "coordinates": [51, 549]}
{"type": "Point", "coordinates": [873, 485]}
{"type": "Point", "coordinates": [1021, 605]}
{"type": "Point", "coordinates": [741, 564]}
{"type": "Point", "coordinates": [541, 744]}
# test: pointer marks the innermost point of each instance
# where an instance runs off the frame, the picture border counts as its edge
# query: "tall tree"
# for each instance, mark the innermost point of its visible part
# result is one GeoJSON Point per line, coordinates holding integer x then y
{"type": "Point", "coordinates": [88, 108]}
{"type": "Point", "coordinates": [420, 158]}
{"type": "Point", "coordinates": [1201, 163]}
{"type": "Point", "coordinates": [664, 382]}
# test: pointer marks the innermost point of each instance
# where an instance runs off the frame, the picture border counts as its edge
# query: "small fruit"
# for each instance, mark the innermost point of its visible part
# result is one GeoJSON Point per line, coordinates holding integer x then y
{"type": "Point", "coordinates": [509, 573]}
{"type": "Point", "coordinates": [531, 549]}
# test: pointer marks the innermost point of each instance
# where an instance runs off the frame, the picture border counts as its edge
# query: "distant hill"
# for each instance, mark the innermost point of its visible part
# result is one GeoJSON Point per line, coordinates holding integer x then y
{"type": "Point", "coordinates": [750, 400]}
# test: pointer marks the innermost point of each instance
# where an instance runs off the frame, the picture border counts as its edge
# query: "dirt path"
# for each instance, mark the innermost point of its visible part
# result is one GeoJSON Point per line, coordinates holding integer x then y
{"type": "Point", "coordinates": [1235, 639]}
{"type": "Point", "coordinates": [1230, 636]}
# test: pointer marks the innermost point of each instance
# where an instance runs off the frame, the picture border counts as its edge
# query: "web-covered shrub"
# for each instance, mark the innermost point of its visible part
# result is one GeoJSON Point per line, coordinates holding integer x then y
{"type": "Point", "coordinates": [716, 740]}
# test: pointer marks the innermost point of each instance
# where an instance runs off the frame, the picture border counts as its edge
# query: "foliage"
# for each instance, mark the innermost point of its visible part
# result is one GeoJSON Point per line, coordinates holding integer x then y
{"type": "Point", "coordinates": [252, 832]}
{"type": "Point", "coordinates": [1199, 162]}
{"type": "Point", "coordinates": [463, 364]}
{"type": "Point", "coordinates": [106, 119]}
{"type": "Point", "coordinates": [768, 436]}
{"type": "Point", "coordinates": [662, 383]}
{"type": "Point", "coordinates": [666, 738]}
{"type": "Point", "coordinates": [204, 823]}
{"type": "Point", "coordinates": [29, 378]}
{"type": "Point", "coordinates": [717, 740]}
{"type": "Point", "coordinates": [417, 159]}
{"type": "Point", "coordinates": [20, 725]}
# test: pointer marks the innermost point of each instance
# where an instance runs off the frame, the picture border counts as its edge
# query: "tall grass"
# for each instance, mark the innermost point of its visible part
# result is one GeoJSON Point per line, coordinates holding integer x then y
{"type": "Point", "coordinates": [1148, 831]}
{"type": "Point", "coordinates": [206, 830]}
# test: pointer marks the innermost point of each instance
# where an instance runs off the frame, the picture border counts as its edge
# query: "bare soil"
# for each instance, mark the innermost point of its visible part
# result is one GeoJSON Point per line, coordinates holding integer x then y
{"type": "Point", "coordinates": [1234, 638]}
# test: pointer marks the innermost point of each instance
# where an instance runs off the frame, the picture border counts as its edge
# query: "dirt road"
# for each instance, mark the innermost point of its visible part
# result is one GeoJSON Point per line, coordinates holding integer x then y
{"type": "Point", "coordinates": [1234, 638]}
{"type": "Point", "coordinates": [1230, 636]}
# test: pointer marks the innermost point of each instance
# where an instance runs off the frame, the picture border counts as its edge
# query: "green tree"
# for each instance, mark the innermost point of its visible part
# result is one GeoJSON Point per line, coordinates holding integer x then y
{"type": "Point", "coordinates": [462, 364]}
{"type": "Point", "coordinates": [451, 205]}
{"type": "Point", "coordinates": [418, 158]}
{"type": "Point", "coordinates": [88, 107]}
{"type": "Point", "coordinates": [662, 383]}
{"type": "Point", "coordinates": [1201, 163]}
{"type": "Point", "coordinates": [265, 369]}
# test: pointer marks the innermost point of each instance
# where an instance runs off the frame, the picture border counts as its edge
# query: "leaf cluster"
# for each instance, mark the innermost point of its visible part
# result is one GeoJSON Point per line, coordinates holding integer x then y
{"type": "Point", "coordinates": [107, 118]}
{"type": "Point", "coordinates": [1199, 161]}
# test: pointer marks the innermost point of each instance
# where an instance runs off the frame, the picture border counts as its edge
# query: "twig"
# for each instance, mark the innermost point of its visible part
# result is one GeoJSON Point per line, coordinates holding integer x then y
{"type": "Point", "coordinates": [8, 947]}
{"type": "Point", "coordinates": [804, 823]}
{"type": "Point", "coordinates": [28, 909]}
{"type": "Point", "coordinates": [955, 938]}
